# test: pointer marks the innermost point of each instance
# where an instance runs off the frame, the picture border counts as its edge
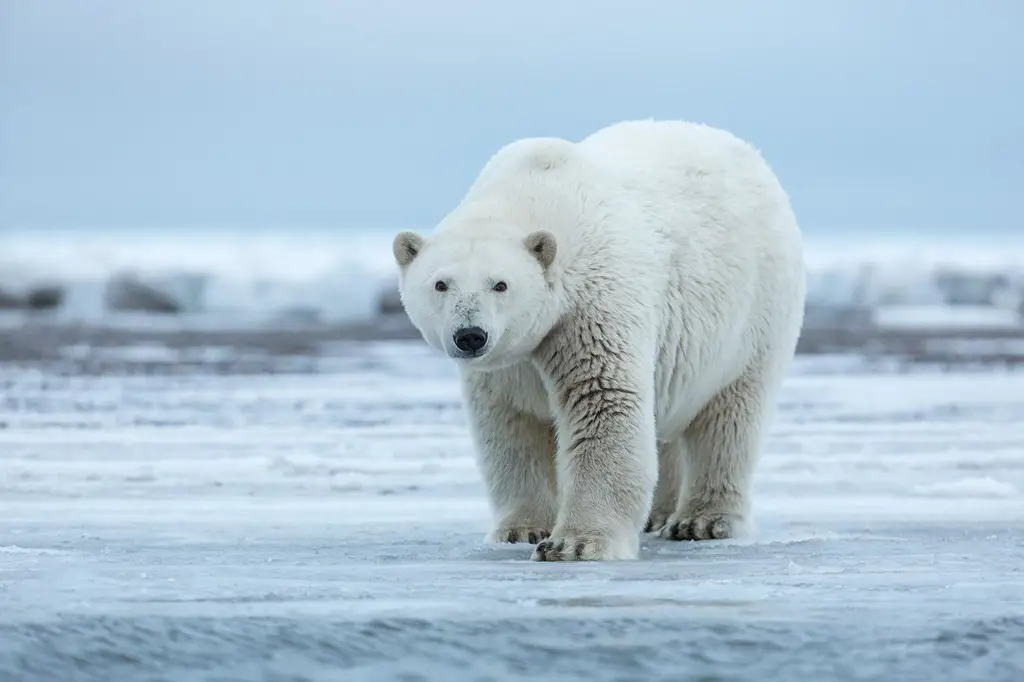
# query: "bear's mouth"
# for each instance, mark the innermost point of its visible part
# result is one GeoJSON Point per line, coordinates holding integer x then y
{"type": "Point", "coordinates": [457, 354]}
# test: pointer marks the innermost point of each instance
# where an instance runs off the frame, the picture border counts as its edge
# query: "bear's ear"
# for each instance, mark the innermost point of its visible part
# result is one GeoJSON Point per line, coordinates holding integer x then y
{"type": "Point", "coordinates": [543, 246]}
{"type": "Point", "coordinates": [406, 246]}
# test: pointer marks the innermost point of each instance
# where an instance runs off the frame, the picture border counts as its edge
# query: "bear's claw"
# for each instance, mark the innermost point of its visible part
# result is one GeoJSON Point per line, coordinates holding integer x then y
{"type": "Point", "coordinates": [582, 548]}
{"type": "Point", "coordinates": [513, 534]}
{"type": "Point", "coordinates": [707, 526]}
{"type": "Point", "coordinates": [656, 521]}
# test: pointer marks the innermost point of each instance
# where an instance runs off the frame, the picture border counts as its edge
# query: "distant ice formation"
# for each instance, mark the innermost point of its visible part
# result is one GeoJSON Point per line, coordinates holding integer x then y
{"type": "Point", "coordinates": [348, 275]}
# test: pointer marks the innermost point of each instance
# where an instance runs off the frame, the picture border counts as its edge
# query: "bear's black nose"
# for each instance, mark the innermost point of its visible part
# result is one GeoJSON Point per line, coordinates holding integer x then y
{"type": "Point", "coordinates": [470, 339]}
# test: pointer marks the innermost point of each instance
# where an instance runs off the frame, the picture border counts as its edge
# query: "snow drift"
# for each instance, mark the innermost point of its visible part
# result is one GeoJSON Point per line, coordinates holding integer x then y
{"type": "Point", "coordinates": [299, 277]}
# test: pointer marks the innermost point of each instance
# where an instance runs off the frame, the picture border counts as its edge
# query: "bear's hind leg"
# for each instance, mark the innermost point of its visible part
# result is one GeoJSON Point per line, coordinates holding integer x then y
{"type": "Point", "coordinates": [516, 455]}
{"type": "Point", "coordinates": [723, 447]}
{"type": "Point", "coordinates": [666, 495]}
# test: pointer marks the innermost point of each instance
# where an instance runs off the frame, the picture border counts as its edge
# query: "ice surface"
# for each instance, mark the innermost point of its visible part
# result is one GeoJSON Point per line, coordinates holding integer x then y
{"type": "Point", "coordinates": [244, 276]}
{"type": "Point", "coordinates": [328, 525]}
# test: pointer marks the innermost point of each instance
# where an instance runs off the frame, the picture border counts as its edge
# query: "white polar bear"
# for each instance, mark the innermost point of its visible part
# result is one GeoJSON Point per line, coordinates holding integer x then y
{"type": "Point", "coordinates": [622, 311]}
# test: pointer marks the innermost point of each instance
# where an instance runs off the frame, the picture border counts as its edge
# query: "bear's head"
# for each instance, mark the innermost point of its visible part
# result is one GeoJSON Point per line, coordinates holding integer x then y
{"type": "Point", "coordinates": [485, 300]}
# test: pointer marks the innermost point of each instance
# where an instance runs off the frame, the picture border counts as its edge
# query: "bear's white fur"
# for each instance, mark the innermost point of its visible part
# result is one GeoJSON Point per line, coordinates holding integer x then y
{"type": "Point", "coordinates": [626, 307]}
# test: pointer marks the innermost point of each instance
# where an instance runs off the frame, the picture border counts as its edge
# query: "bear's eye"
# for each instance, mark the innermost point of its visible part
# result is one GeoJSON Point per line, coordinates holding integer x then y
{"type": "Point", "coordinates": [440, 286]}
{"type": "Point", "coordinates": [500, 287]}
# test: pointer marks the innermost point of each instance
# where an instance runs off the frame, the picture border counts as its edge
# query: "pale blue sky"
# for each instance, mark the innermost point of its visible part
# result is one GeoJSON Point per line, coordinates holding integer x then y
{"type": "Point", "coordinates": [876, 114]}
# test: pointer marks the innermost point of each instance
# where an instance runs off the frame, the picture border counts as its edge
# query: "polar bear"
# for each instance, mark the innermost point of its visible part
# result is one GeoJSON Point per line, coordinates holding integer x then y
{"type": "Point", "coordinates": [622, 311]}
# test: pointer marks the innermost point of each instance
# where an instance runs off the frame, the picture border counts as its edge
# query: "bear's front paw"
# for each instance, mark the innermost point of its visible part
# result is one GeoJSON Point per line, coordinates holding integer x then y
{"type": "Point", "coordinates": [530, 533]}
{"type": "Point", "coordinates": [585, 547]}
{"type": "Point", "coordinates": [710, 525]}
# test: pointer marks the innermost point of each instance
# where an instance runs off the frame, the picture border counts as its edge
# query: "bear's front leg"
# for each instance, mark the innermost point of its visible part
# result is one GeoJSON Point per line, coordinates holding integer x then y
{"type": "Point", "coordinates": [602, 391]}
{"type": "Point", "coordinates": [515, 451]}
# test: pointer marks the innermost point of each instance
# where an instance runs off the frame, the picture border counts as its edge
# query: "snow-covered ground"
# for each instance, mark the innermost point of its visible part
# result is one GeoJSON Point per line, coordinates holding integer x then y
{"type": "Point", "coordinates": [327, 524]}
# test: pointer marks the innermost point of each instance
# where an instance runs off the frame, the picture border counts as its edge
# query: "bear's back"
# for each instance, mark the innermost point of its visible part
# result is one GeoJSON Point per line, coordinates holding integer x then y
{"type": "Point", "coordinates": [651, 142]}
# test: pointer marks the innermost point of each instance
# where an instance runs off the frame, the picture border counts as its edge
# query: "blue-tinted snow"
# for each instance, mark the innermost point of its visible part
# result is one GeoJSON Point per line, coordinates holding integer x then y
{"type": "Point", "coordinates": [329, 525]}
